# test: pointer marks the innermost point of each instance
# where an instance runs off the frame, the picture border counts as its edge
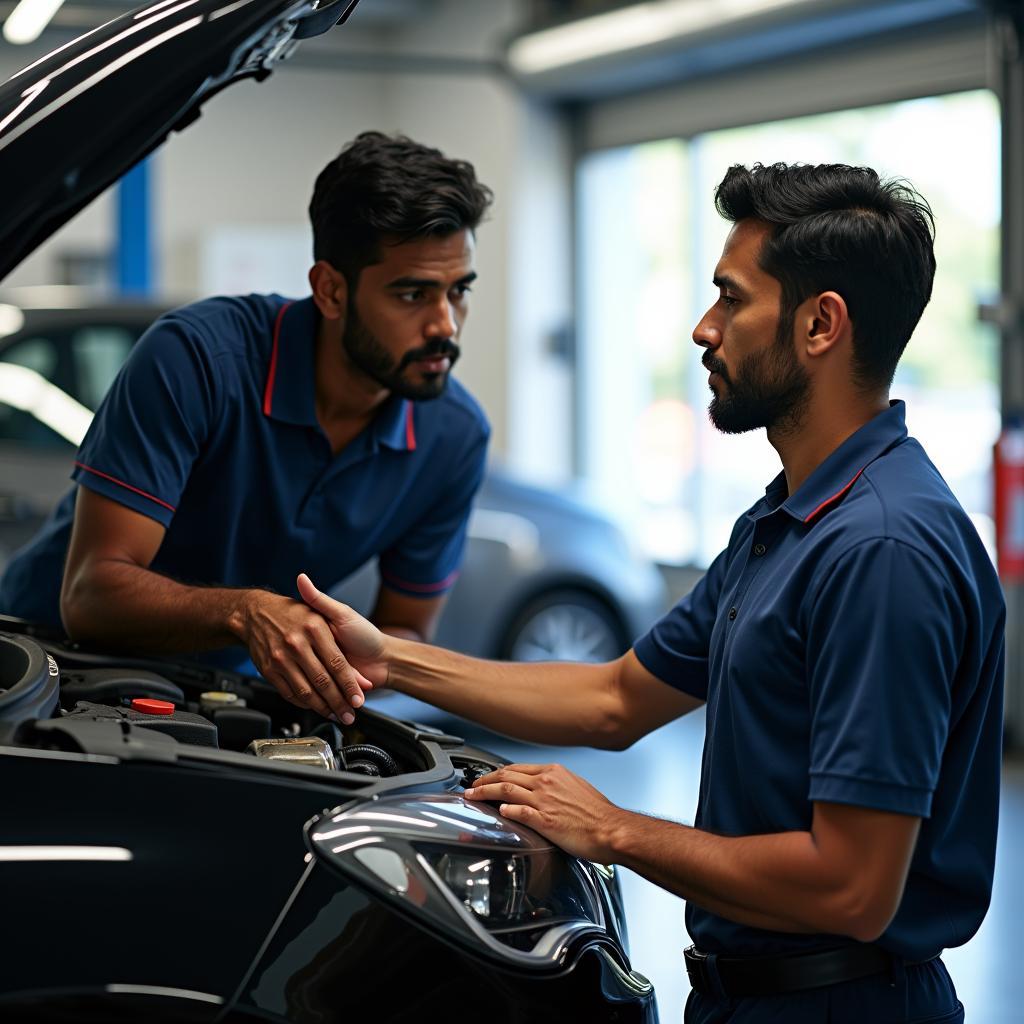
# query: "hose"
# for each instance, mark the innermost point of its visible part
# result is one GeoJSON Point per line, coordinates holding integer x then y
{"type": "Point", "coordinates": [367, 753]}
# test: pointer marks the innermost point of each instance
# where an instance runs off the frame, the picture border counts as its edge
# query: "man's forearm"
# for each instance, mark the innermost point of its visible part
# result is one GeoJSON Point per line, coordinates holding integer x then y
{"type": "Point", "coordinates": [124, 605]}
{"type": "Point", "coordinates": [778, 881]}
{"type": "Point", "coordinates": [554, 703]}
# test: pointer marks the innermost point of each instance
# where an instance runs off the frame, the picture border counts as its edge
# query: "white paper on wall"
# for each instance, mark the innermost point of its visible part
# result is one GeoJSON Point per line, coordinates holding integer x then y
{"type": "Point", "coordinates": [236, 259]}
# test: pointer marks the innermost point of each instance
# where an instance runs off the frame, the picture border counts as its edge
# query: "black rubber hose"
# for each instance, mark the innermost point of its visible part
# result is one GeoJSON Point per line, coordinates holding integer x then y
{"type": "Point", "coordinates": [368, 752]}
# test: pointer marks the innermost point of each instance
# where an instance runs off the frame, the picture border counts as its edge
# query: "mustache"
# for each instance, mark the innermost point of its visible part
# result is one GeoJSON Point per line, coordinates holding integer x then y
{"type": "Point", "coordinates": [443, 347]}
{"type": "Point", "coordinates": [715, 365]}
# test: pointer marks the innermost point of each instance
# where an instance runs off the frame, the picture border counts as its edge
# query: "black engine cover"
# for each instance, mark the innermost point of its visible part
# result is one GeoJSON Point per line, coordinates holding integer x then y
{"type": "Point", "coordinates": [182, 725]}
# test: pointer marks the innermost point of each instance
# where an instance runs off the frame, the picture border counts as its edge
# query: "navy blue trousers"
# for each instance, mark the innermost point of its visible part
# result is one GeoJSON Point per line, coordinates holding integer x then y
{"type": "Point", "coordinates": [922, 994]}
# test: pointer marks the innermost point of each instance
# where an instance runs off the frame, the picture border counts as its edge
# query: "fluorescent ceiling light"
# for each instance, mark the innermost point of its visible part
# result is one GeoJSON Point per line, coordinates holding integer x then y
{"type": "Point", "coordinates": [25, 23]}
{"type": "Point", "coordinates": [628, 28]}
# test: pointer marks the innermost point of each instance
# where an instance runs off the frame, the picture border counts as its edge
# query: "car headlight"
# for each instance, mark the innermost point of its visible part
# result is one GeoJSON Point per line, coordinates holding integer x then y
{"type": "Point", "coordinates": [482, 878]}
{"type": "Point", "coordinates": [494, 888]}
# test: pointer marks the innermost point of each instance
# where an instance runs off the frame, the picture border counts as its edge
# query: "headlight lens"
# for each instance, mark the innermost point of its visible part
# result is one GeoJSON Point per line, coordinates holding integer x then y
{"type": "Point", "coordinates": [481, 877]}
{"type": "Point", "coordinates": [492, 887]}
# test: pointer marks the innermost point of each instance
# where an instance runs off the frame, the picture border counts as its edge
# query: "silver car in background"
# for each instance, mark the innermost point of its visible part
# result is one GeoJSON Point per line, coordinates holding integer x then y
{"type": "Point", "coordinates": [544, 577]}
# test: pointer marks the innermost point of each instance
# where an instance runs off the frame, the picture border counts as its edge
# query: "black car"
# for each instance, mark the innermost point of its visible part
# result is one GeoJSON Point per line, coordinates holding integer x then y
{"type": "Point", "coordinates": [179, 844]}
{"type": "Point", "coordinates": [182, 845]}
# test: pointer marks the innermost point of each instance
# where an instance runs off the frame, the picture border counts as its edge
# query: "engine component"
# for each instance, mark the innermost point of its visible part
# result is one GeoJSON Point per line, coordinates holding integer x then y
{"type": "Point", "coordinates": [473, 771]}
{"type": "Point", "coordinates": [148, 706]}
{"type": "Point", "coordinates": [214, 700]}
{"type": "Point", "coordinates": [112, 685]}
{"type": "Point", "coordinates": [29, 679]}
{"type": "Point", "coordinates": [309, 750]}
{"type": "Point", "coordinates": [331, 732]}
{"type": "Point", "coordinates": [367, 759]}
{"type": "Point", "coordinates": [182, 725]}
{"type": "Point", "coordinates": [237, 727]}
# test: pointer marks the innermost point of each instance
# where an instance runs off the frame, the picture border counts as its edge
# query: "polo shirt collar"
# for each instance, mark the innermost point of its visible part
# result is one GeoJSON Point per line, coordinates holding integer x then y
{"type": "Point", "coordinates": [289, 395]}
{"type": "Point", "coordinates": [833, 478]}
{"type": "Point", "coordinates": [290, 392]}
{"type": "Point", "coordinates": [394, 425]}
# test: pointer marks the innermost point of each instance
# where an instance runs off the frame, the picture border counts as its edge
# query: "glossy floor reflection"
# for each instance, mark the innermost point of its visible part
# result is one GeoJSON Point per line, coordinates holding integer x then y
{"type": "Point", "coordinates": [659, 776]}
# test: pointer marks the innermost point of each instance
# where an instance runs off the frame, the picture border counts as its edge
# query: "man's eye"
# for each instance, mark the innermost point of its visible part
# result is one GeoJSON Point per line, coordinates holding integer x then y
{"type": "Point", "coordinates": [413, 296]}
{"type": "Point", "coordinates": [729, 301]}
{"type": "Point", "coordinates": [461, 289]}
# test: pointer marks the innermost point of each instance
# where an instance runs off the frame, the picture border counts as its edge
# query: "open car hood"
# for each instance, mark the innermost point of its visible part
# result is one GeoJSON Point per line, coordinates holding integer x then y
{"type": "Point", "coordinates": [77, 119]}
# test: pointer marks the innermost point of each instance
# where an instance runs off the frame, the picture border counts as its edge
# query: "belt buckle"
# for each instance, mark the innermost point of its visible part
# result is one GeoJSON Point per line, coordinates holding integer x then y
{"type": "Point", "coordinates": [696, 969]}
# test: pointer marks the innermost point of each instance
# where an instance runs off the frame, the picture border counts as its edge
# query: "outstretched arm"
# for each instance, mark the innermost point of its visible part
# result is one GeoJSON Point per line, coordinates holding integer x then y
{"type": "Point", "coordinates": [844, 876]}
{"type": "Point", "coordinates": [610, 705]}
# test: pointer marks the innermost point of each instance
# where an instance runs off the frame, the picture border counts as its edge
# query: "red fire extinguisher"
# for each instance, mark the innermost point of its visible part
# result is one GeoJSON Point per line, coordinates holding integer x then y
{"type": "Point", "coordinates": [1008, 465]}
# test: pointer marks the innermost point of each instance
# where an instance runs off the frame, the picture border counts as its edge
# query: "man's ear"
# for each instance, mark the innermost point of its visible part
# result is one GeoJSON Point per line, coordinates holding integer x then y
{"type": "Point", "coordinates": [330, 290]}
{"type": "Point", "coordinates": [827, 323]}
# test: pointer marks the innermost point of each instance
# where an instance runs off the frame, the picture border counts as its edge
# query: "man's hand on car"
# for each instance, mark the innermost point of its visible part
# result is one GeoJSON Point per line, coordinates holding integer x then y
{"type": "Point", "coordinates": [295, 649]}
{"type": "Point", "coordinates": [552, 800]}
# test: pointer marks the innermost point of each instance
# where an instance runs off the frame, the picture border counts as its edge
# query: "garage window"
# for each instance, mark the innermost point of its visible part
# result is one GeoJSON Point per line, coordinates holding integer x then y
{"type": "Point", "coordinates": [649, 239]}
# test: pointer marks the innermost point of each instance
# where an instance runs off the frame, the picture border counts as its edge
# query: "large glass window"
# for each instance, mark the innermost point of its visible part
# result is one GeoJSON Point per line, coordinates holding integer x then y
{"type": "Point", "coordinates": [649, 240]}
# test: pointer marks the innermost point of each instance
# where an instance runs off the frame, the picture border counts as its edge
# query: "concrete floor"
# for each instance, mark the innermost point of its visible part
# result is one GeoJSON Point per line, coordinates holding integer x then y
{"type": "Point", "coordinates": [659, 776]}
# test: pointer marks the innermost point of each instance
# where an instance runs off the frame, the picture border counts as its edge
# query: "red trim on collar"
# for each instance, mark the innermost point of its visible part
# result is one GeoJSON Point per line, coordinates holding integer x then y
{"type": "Point", "coordinates": [268, 393]}
{"type": "Point", "coordinates": [121, 483]}
{"type": "Point", "coordinates": [836, 496]}
{"type": "Point", "coordinates": [410, 432]}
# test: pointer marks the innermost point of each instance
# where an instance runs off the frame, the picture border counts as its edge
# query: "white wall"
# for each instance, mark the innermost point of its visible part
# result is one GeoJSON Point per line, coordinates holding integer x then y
{"type": "Point", "coordinates": [252, 157]}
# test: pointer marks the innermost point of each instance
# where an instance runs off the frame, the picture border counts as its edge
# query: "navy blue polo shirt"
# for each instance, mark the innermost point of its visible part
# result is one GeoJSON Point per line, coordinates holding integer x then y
{"type": "Point", "coordinates": [211, 430]}
{"type": "Point", "coordinates": [849, 645]}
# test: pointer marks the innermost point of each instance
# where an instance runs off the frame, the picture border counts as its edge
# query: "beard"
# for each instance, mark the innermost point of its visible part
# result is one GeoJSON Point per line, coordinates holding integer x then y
{"type": "Point", "coordinates": [366, 352]}
{"type": "Point", "coordinates": [767, 389]}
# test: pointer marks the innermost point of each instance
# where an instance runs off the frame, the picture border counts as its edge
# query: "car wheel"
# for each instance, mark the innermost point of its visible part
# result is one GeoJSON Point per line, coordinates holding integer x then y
{"type": "Point", "coordinates": [564, 625]}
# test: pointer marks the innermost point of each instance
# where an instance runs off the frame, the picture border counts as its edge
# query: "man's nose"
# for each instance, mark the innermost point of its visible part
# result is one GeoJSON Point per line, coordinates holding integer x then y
{"type": "Point", "coordinates": [707, 334]}
{"type": "Point", "coordinates": [443, 323]}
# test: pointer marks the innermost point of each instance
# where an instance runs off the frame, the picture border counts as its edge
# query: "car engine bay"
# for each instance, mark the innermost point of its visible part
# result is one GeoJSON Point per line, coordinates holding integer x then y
{"type": "Point", "coordinates": [57, 696]}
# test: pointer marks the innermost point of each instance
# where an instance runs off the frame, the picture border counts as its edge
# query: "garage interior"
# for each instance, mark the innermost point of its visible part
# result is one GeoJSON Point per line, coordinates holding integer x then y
{"type": "Point", "coordinates": [593, 267]}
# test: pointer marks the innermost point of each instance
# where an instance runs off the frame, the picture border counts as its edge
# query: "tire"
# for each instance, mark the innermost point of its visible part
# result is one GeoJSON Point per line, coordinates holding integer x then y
{"type": "Point", "coordinates": [564, 625]}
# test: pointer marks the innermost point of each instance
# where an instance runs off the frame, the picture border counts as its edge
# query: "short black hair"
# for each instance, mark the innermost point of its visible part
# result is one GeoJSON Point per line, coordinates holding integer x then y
{"type": "Point", "coordinates": [383, 187]}
{"type": "Point", "coordinates": [841, 228]}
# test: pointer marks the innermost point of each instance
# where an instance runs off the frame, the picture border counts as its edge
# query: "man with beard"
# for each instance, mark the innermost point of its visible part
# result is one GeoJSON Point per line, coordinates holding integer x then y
{"type": "Point", "coordinates": [848, 645]}
{"type": "Point", "coordinates": [247, 438]}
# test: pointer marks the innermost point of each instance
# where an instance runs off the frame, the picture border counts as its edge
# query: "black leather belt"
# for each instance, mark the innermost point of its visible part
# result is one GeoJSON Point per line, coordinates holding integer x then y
{"type": "Point", "coordinates": [739, 976]}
